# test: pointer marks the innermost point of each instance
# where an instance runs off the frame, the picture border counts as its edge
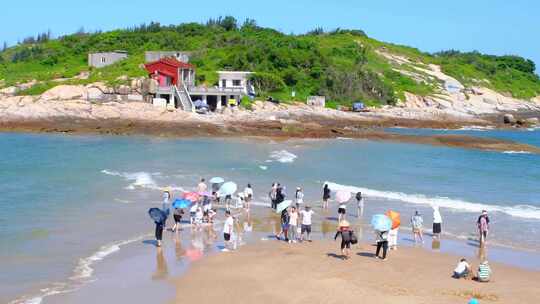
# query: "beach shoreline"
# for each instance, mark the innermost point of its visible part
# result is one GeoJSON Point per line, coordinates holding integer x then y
{"type": "Point", "coordinates": [271, 272]}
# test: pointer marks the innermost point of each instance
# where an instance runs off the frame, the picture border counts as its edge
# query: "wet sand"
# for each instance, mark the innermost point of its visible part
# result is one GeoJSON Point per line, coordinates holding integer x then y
{"type": "Point", "coordinates": [276, 272]}
{"type": "Point", "coordinates": [316, 128]}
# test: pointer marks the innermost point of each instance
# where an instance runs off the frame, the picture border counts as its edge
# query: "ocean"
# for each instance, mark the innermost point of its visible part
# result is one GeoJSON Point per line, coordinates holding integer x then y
{"type": "Point", "coordinates": [70, 203]}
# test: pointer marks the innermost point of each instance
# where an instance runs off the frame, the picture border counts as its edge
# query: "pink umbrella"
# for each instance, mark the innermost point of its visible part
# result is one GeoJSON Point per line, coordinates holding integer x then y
{"type": "Point", "coordinates": [343, 196]}
{"type": "Point", "coordinates": [192, 196]}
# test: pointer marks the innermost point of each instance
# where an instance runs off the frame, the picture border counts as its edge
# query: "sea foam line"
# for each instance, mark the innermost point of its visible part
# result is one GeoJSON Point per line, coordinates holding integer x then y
{"type": "Point", "coordinates": [283, 156]}
{"type": "Point", "coordinates": [523, 211]}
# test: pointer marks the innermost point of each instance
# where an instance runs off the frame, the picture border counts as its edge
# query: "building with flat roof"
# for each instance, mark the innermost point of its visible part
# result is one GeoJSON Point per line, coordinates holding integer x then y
{"type": "Point", "coordinates": [152, 56]}
{"type": "Point", "coordinates": [103, 59]}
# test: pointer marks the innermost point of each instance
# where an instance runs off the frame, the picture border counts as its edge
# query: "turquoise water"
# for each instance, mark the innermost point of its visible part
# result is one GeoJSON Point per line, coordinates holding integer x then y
{"type": "Point", "coordinates": [69, 202]}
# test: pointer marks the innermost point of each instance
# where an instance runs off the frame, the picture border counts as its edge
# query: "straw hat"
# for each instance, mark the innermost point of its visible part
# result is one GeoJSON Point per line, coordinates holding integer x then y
{"type": "Point", "coordinates": [344, 223]}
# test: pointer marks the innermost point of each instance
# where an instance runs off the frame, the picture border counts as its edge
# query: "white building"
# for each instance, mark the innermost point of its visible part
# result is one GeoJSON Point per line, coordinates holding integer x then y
{"type": "Point", "coordinates": [235, 80]}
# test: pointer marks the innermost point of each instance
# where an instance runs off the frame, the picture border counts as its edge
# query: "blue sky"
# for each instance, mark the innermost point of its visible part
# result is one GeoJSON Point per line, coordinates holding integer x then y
{"type": "Point", "coordinates": [490, 26]}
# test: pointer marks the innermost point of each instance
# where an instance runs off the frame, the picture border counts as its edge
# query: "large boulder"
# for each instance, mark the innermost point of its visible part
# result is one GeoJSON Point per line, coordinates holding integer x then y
{"type": "Point", "coordinates": [509, 119]}
{"type": "Point", "coordinates": [65, 92]}
{"type": "Point", "coordinates": [532, 121]}
{"type": "Point", "coordinates": [123, 90]}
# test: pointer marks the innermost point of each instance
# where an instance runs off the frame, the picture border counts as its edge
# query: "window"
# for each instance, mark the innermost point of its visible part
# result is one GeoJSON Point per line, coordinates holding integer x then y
{"type": "Point", "coordinates": [103, 59]}
{"type": "Point", "coordinates": [236, 82]}
{"type": "Point", "coordinates": [224, 83]}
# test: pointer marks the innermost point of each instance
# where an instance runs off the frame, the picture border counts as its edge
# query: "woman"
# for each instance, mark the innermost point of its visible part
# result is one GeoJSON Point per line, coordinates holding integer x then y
{"type": "Point", "coordinates": [326, 196]}
{"type": "Point", "coordinates": [382, 242]}
{"type": "Point", "coordinates": [360, 201]}
{"type": "Point", "coordinates": [272, 195]}
{"type": "Point", "coordinates": [248, 196]}
{"type": "Point", "coordinates": [346, 238]}
{"type": "Point", "coordinates": [293, 225]}
{"type": "Point", "coordinates": [342, 209]}
{"type": "Point", "coordinates": [483, 226]}
{"type": "Point", "coordinates": [299, 197]}
{"type": "Point", "coordinates": [437, 222]}
{"type": "Point", "coordinates": [417, 223]}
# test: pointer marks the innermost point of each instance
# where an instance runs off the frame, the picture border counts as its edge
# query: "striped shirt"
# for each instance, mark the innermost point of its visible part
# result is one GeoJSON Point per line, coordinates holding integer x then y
{"type": "Point", "coordinates": [484, 272]}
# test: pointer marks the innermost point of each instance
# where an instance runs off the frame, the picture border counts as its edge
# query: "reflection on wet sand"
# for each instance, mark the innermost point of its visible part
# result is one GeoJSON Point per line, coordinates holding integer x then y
{"type": "Point", "coordinates": [162, 270]}
{"type": "Point", "coordinates": [179, 251]}
{"type": "Point", "coordinates": [436, 244]}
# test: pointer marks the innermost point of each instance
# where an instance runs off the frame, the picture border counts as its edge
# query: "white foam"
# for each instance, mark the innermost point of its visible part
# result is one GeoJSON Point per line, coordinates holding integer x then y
{"type": "Point", "coordinates": [263, 168]}
{"type": "Point", "coordinates": [138, 179]}
{"type": "Point", "coordinates": [523, 211]}
{"type": "Point", "coordinates": [517, 152]}
{"type": "Point", "coordinates": [283, 156]}
{"type": "Point", "coordinates": [476, 128]}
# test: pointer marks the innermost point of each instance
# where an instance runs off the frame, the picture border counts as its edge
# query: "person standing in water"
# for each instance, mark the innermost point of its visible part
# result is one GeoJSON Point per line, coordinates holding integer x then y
{"type": "Point", "coordinates": [299, 197]}
{"type": "Point", "coordinates": [342, 210]}
{"type": "Point", "coordinates": [248, 196]}
{"type": "Point", "coordinates": [483, 227]}
{"type": "Point", "coordinates": [437, 223]}
{"type": "Point", "coordinates": [360, 201]}
{"type": "Point", "coordinates": [228, 229]}
{"type": "Point", "coordinates": [346, 238]}
{"type": "Point", "coordinates": [326, 196]}
{"type": "Point", "coordinates": [273, 195]}
{"type": "Point", "coordinates": [201, 187]}
{"type": "Point", "coordinates": [159, 232]}
{"type": "Point", "coordinates": [417, 223]}
{"type": "Point", "coordinates": [177, 215]}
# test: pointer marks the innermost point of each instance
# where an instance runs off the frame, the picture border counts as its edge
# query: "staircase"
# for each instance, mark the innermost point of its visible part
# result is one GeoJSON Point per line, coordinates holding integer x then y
{"type": "Point", "coordinates": [183, 97]}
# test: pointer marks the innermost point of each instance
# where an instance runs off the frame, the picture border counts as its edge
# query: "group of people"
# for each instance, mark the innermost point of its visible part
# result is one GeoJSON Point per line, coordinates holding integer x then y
{"type": "Point", "coordinates": [464, 270]}
{"type": "Point", "coordinates": [290, 230]}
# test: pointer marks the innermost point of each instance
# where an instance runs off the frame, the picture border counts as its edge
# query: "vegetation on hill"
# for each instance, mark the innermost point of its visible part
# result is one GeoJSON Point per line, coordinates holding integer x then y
{"type": "Point", "coordinates": [343, 65]}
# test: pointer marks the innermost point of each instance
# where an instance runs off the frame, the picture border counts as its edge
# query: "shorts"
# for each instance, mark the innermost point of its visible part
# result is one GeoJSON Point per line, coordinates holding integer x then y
{"type": "Point", "coordinates": [484, 234]}
{"type": "Point", "coordinates": [177, 218]}
{"type": "Point", "coordinates": [436, 227]}
{"type": "Point", "coordinates": [416, 230]}
{"type": "Point", "coordinates": [226, 237]}
{"type": "Point", "coordinates": [306, 228]}
{"type": "Point", "coordinates": [284, 226]}
{"type": "Point", "coordinates": [346, 244]}
{"type": "Point", "coordinates": [341, 211]}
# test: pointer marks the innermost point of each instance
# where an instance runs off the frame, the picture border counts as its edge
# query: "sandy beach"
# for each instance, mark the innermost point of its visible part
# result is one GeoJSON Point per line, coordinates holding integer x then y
{"type": "Point", "coordinates": [276, 272]}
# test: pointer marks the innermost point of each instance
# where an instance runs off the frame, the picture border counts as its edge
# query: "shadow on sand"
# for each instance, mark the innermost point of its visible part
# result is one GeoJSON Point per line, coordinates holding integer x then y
{"type": "Point", "coordinates": [366, 254]}
{"type": "Point", "coordinates": [335, 256]}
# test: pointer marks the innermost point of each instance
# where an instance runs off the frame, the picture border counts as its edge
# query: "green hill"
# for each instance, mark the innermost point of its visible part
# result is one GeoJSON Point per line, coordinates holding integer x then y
{"type": "Point", "coordinates": [344, 65]}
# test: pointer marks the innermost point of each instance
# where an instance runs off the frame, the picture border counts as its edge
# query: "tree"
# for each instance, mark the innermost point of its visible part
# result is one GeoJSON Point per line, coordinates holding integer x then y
{"type": "Point", "coordinates": [5, 46]}
{"type": "Point", "coordinates": [229, 23]}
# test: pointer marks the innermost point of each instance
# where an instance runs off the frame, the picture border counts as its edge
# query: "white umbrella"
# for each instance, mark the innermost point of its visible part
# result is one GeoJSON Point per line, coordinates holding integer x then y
{"type": "Point", "coordinates": [229, 188]}
{"type": "Point", "coordinates": [343, 196]}
{"type": "Point", "coordinates": [216, 180]}
{"type": "Point", "coordinates": [283, 205]}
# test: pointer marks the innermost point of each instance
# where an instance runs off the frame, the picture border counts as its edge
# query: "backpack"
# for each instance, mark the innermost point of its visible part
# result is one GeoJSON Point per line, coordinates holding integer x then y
{"type": "Point", "coordinates": [354, 239]}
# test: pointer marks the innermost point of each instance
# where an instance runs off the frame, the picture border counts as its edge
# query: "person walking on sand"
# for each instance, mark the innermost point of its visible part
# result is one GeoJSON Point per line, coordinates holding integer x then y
{"type": "Point", "coordinates": [293, 225]}
{"type": "Point", "coordinates": [306, 214]}
{"type": "Point", "coordinates": [201, 187]}
{"type": "Point", "coordinates": [299, 197]}
{"type": "Point", "coordinates": [228, 229]}
{"type": "Point", "coordinates": [248, 196]}
{"type": "Point", "coordinates": [345, 232]}
{"type": "Point", "coordinates": [382, 242]}
{"type": "Point", "coordinates": [437, 223]}
{"type": "Point", "coordinates": [284, 225]}
{"type": "Point", "coordinates": [417, 223]}
{"type": "Point", "coordinates": [326, 196]}
{"type": "Point", "coordinates": [483, 227]}
{"type": "Point", "coordinates": [360, 201]}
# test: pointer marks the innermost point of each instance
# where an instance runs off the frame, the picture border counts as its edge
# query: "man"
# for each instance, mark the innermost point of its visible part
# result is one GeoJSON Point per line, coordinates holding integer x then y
{"type": "Point", "coordinates": [228, 229]}
{"type": "Point", "coordinates": [306, 223]}
{"type": "Point", "coordinates": [201, 187]}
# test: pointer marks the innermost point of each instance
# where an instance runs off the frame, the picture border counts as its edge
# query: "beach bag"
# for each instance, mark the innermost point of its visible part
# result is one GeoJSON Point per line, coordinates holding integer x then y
{"type": "Point", "coordinates": [354, 239]}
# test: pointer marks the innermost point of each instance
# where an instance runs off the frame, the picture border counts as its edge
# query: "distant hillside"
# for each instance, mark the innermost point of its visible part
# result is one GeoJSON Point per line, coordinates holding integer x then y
{"type": "Point", "coordinates": [344, 65]}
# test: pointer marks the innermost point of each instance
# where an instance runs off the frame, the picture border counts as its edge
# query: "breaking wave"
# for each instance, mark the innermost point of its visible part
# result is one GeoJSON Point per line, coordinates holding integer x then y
{"type": "Point", "coordinates": [283, 156]}
{"type": "Point", "coordinates": [523, 211]}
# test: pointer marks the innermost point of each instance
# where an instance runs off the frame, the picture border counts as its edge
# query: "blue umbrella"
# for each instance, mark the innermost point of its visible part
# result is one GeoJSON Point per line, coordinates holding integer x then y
{"type": "Point", "coordinates": [157, 215]}
{"type": "Point", "coordinates": [181, 203]}
{"type": "Point", "coordinates": [381, 222]}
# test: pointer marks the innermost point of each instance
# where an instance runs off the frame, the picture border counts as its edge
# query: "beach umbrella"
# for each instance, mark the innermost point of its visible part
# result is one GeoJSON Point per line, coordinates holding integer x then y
{"type": "Point", "coordinates": [181, 203]}
{"type": "Point", "coordinates": [205, 193]}
{"type": "Point", "coordinates": [343, 196]}
{"type": "Point", "coordinates": [157, 215]}
{"type": "Point", "coordinates": [229, 188]}
{"type": "Point", "coordinates": [283, 205]}
{"type": "Point", "coordinates": [394, 217]}
{"type": "Point", "coordinates": [192, 196]}
{"type": "Point", "coordinates": [381, 222]}
{"type": "Point", "coordinates": [216, 180]}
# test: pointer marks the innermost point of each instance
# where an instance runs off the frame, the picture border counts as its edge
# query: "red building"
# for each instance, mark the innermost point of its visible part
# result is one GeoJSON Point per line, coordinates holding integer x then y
{"type": "Point", "coordinates": [169, 71]}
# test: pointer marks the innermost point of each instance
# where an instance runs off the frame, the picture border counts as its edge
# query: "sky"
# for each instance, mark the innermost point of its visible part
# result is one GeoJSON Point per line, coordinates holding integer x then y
{"type": "Point", "coordinates": [489, 26]}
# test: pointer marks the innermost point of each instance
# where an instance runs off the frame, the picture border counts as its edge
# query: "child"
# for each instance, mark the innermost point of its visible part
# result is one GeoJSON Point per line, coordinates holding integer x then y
{"type": "Point", "coordinates": [462, 270]}
{"type": "Point", "coordinates": [177, 215]}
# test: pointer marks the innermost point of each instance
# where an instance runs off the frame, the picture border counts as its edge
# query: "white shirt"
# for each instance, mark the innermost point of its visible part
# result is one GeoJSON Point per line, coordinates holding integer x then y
{"type": "Point", "coordinates": [461, 266]}
{"type": "Point", "coordinates": [229, 225]}
{"type": "Point", "coordinates": [437, 218]}
{"type": "Point", "coordinates": [193, 208]}
{"type": "Point", "coordinates": [343, 206]}
{"type": "Point", "coordinates": [293, 218]}
{"type": "Point", "coordinates": [306, 216]}
{"type": "Point", "coordinates": [248, 192]}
